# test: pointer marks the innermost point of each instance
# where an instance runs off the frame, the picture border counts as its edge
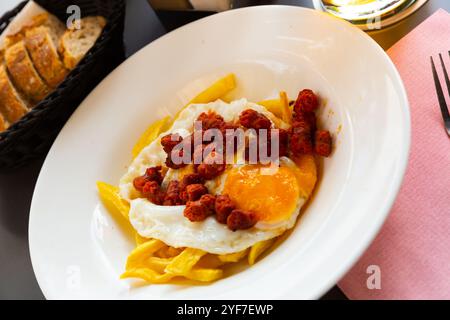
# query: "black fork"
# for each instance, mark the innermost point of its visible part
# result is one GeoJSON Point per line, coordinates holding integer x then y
{"type": "Point", "coordinates": [440, 92]}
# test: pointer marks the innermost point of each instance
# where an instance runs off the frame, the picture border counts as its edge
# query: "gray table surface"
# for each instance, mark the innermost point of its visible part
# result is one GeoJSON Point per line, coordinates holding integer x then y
{"type": "Point", "coordinates": [17, 280]}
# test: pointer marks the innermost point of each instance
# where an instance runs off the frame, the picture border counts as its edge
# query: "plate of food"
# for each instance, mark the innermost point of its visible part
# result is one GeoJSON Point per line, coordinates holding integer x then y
{"type": "Point", "coordinates": [216, 164]}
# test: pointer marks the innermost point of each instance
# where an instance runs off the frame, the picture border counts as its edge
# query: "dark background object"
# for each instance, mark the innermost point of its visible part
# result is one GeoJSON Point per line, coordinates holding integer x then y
{"type": "Point", "coordinates": [35, 132]}
{"type": "Point", "coordinates": [17, 280]}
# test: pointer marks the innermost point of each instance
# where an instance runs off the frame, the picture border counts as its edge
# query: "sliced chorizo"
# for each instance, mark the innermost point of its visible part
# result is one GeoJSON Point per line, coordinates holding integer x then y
{"type": "Point", "coordinates": [172, 196]}
{"type": "Point", "coordinates": [191, 178]}
{"type": "Point", "coordinates": [169, 142]}
{"type": "Point", "coordinates": [323, 143]}
{"type": "Point", "coordinates": [241, 220]}
{"type": "Point", "coordinates": [254, 120]}
{"type": "Point", "coordinates": [300, 139]}
{"type": "Point", "coordinates": [210, 120]}
{"type": "Point", "coordinates": [209, 201]}
{"type": "Point", "coordinates": [223, 207]}
{"type": "Point", "coordinates": [193, 192]}
{"type": "Point", "coordinates": [195, 211]}
{"type": "Point", "coordinates": [307, 101]}
{"type": "Point", "coordinates": [152, 191]}
{"type": "Point", "coordinates": [151, 174]}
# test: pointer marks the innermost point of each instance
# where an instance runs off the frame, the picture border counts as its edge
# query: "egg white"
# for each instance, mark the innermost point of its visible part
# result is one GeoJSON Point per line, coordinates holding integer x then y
{"type": "Point", "coordinates": [167, 223]}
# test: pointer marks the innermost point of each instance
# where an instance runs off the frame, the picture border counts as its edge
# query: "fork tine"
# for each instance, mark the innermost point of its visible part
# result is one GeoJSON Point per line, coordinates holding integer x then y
{"type": "Point", "coordinates": [447, 80]}
{"type": "Point", "coordinates": [440, 94]}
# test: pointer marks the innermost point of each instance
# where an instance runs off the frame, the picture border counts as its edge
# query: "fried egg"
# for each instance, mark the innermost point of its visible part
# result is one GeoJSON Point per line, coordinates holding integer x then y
{"type": "Point", "coordinates": [275, 194]}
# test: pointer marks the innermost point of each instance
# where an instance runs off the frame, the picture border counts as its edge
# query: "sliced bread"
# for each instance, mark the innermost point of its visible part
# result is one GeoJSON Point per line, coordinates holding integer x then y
{"type": "Point", "coordinates": [42, 48]}
{"type": "Point", "coordinates": [43, 19]}
{"type": "Point", "coordinates": [12, 105]}
{"type": "Point", "coordinates": [75, 43]}
{"type": "Point", "coordinates": [23, 74]}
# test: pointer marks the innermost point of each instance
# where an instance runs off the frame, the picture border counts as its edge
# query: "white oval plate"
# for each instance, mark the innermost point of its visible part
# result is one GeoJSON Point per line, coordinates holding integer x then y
{"type": "Point", "coordinates": [79, 251]}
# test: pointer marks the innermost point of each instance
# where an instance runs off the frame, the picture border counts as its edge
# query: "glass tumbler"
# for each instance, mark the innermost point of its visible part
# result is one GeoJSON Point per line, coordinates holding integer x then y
{"type": "Point", "coordinates": [357, 10]}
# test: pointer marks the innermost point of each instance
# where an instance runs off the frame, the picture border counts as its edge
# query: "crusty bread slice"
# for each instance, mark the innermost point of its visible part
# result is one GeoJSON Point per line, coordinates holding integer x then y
{"type": "Point", "coordinates": [75, 43]}
{"type": "Point", "coordinates": [43, 51]}
{"type": "Point", "coordinates": [12, 105]}
{"type": "Point", "coordinates": [43, 19]}
{"type": "Point", "coordinates": [23, 74]}
{"type": "Point", "coordinates": [3, 123]}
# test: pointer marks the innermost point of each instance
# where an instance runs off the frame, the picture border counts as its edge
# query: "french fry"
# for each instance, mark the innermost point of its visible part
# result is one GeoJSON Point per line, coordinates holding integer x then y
{"type": "Point", "coordinates": [233, 257]}
{"type": "Point", "coordinates": [138, 256]}
{"type": "Point", "coordinates": [168, 252]}
{"type": "Point", "coordinates": [140, 239]}
{"type": "Point", "coordinates": [150, 135]}
{"type": "Point", "coordinates": [111, 199]}
{"type": "Point", "coordinates": [217, 90]}
{"type": "Point", "coordinates": [259, 249]}
{"type": "Point", "coordinates": [204, 275]}
{"type": "Point", "coordinates": [148, 275]}
{"type": "Point", "coordinates": [286, 114]}
{"type": "Point", "coordinates": [183, 263]}
{"type": "Point", "coordinates": [158, 264]}
{"type": "Point", "coordinates": [210, 261]}
{"type": "Point", "coordinates": [279, 107]}
{"type": "Point", "coordinates": [274, 106]}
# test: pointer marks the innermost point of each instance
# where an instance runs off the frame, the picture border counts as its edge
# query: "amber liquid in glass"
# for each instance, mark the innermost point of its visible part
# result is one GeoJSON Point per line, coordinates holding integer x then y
{"type": "Point", "coordinates": [354, 10]}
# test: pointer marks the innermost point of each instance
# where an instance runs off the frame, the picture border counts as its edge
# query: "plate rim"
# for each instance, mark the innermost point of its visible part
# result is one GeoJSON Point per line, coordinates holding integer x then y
{"type": "Point", "coordinates": [358, 249]}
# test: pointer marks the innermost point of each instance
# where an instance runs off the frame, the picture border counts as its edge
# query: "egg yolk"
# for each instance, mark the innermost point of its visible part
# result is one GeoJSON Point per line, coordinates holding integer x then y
{"type": "Point", "coordinates": [272, 197]}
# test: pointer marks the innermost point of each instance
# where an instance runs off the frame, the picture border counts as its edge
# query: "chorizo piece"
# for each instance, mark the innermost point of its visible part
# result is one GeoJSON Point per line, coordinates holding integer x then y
{"type": "Point", "coordinates": [171, 164]}
{"type": "Point", "coordinates": [169, 142]}
{"type": "Point", "coordinates": [283, 142]}
{"type": "Point", "coordinates": [139, 183]}
{"type": "Point", "coordinates": [172, 197]}
{"type": "Point", "coordinates": [307, 101]}
{"type": "Point", "coordinates": [305, 119]}
{"type": "Point", "coordinates": [254, 120]}
{"type": "Point", "coordinates": [154, 174]}
{"type": "Point", "coordinates": [210, 171]}
{"type": "Point", "coordinates": [193, 192]}
{"type": "Point", "coordinates": [195, 211]}
{"type": "Point", "coordinates": [241, 220]}
{"type": "Point", "coordinates": [323, 143]}
{"type": "Point", "coordinates": [223, 207]}
{"type": "Point", "coordinates": [300, 139]}
{"type": "Point", "coordinates": [210, 120]}
{"type": "Point", "coordinates": [197, 156]}
{"type": "Point", "coordinates": [152, 191]}
{"type": "Point", "coordinates": [191, 178]}
{"type": "Point", "coordinates": [151, 174]}
{"type": "Point", "coordinates": [209, 201]}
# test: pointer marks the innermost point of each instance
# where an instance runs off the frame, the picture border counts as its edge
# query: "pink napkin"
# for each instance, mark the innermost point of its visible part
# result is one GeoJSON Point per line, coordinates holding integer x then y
{"type": "Point", "coordinates": [411, 255]}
